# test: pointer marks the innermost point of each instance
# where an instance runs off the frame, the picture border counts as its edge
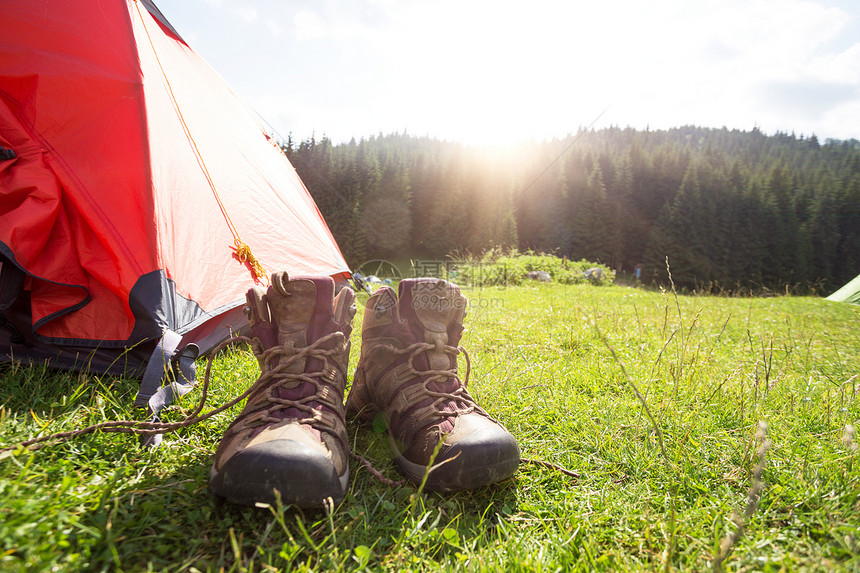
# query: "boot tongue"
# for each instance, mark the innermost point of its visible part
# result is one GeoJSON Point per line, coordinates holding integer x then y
{"type": "Point", "coordinates": [301, 308]}
{"type": "Point", "coordinates": [434, 309]}
{"type": "Point", "coordinates": [436, 306]}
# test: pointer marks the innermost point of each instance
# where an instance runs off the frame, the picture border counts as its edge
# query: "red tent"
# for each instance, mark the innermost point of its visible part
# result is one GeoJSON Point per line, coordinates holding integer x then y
{"type": "Point", "coordinates": [131, 179]}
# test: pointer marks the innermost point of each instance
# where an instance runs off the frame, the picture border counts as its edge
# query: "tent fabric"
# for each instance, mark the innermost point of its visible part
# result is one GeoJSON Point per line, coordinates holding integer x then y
{"type": "Point", "coordinates": [133, 173]}
{"type": "Point", "coordinates": [848, 293]}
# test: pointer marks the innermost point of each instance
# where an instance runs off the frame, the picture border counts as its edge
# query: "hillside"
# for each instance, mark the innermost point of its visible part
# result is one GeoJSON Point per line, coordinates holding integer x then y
{"type": "Point", "coordinates": [732, 210]}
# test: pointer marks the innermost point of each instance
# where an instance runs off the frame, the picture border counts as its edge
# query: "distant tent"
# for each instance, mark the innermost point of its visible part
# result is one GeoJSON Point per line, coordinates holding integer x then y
{"type": "Point", "coordinates": [131, 179]}
{"type": "Point", "coordinates": [848, 293]}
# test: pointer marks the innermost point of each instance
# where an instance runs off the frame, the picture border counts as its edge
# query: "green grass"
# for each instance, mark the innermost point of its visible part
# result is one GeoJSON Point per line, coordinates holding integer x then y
{"type": "Point", "coordinates": [709, 369]}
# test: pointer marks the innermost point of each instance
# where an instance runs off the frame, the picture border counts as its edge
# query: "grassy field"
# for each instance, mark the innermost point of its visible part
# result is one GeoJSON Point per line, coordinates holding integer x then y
{"type": "Point", "coordinates": [674, 412]}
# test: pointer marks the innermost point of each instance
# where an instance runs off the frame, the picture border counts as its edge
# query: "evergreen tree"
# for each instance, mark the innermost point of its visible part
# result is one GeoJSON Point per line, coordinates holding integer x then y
{"type": "Point", "coordinates": [731, 209]}
{"type": "Point", "coordinates": [591, 225]}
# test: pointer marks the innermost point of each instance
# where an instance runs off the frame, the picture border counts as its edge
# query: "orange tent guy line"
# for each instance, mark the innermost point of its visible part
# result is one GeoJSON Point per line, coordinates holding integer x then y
{"type": "Point", "coordinates": [243, 251]}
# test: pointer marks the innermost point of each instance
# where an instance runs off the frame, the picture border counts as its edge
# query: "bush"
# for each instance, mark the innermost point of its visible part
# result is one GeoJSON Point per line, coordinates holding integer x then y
{"type": "Point", "coordinates": [498, 268]}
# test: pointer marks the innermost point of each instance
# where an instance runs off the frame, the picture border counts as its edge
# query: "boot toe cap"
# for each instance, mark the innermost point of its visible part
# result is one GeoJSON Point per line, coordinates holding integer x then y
{"type": "Point", "coordinates": [301, 474]}
{"type": "Point", "coordinates": [485, 456]}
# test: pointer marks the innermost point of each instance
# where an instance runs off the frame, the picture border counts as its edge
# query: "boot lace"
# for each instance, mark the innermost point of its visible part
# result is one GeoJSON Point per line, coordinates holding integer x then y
{"type": "Point", "coordinates": [325, 392]}
{"type": "Point", "coordinates": [141, 427]}
{"type": "Point", "coordinates": [195, 417]}
{"type": "Point", "coordinates": [459, 395]}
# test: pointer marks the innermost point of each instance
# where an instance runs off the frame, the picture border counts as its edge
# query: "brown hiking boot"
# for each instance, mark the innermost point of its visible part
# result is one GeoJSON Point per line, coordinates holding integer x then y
{"type": "Point", "coordinates": [408, 374]}
{"type": "Point", "coordinates": [291, 435]}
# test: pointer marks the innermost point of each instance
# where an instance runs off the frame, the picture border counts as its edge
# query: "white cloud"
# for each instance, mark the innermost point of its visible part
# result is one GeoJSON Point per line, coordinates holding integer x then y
{"type": "Point", "coordinates": [308, 26]}
{"type": "Point", "coordinates": [483, 69]}
{"type": "Point", "coordinates": [841, 66]}
{"type": "Point", "coordinates": [247, 13]}
{"type": "Point", "coordinates": [274, 26]}
{"type": "Point", "coordinates": [808, 99]}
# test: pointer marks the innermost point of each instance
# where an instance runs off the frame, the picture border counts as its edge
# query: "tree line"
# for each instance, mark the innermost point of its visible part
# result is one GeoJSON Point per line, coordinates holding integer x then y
{"type": "Point", "coordinates": [730, 209]}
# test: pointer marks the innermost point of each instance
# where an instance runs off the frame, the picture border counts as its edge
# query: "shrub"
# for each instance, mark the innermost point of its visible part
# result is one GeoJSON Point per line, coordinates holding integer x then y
{"type": "Point", "coordinates": [497, 267]}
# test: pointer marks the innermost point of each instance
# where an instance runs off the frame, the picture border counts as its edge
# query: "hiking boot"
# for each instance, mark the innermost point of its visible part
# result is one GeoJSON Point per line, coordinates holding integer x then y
{"type": "Point", "coordinates": [407, 374]}
{"type": "Point", "coordinates": [291, 435]}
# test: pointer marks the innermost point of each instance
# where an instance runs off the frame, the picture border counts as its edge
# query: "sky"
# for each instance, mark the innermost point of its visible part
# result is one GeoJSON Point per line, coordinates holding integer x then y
{"type": "Point", "coordinates": [486, 72]}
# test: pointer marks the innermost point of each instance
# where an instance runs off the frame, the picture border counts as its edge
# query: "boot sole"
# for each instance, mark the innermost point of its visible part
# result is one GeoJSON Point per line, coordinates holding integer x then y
{"type": "Point", "coordinates": [303, 477]}
{"type": "Point", "coordinates": [479, 460]}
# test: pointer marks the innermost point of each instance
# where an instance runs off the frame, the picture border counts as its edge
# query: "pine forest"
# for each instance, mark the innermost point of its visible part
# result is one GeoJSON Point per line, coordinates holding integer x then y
{"type": "Point", "coordinates": [733, 211]}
